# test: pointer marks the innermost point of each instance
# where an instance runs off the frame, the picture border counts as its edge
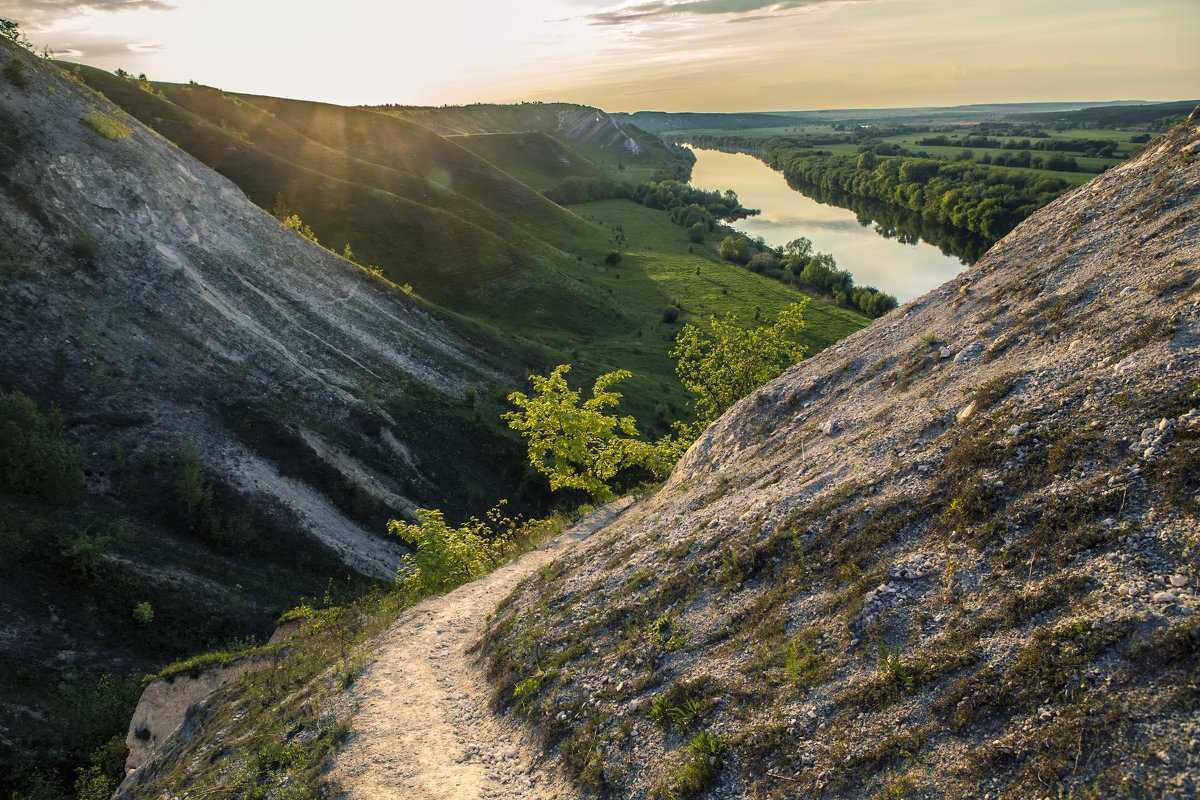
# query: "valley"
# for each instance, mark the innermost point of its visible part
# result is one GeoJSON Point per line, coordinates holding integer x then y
{"type": "Point", "coordinates": [259, 353]}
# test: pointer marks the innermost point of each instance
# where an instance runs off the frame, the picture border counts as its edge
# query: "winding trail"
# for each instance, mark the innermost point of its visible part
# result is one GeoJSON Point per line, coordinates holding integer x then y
{"type": "Point", "coordinates": [422, 729]}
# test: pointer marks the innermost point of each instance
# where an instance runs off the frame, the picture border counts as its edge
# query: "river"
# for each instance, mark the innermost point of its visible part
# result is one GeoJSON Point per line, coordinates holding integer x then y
{"type": "Point", "coordinates": [904, 266]}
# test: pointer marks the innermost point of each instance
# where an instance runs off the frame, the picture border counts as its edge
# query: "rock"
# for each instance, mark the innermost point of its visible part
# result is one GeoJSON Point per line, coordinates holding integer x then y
{"type": "Point", "coordinates": [1164, 597]}
{"type": "Point", "coordinates": [830, 426]}
{"type": "Point", "coordinates": [1179, 581]}
{"type": "Point", "coordinates": [944, 352]}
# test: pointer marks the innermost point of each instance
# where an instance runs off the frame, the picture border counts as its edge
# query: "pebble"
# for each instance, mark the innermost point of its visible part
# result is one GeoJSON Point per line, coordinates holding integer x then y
{"type": "Point", "coordinates": [1164, 597]}
{"type": "Point", "coordinates": [944, 352]}
{"type": "Point", "coordinates": [1178, 581]}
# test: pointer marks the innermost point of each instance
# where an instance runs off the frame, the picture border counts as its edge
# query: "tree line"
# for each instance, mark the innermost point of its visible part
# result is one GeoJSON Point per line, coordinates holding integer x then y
{"type": "Point", "coordinates": [797, 263]}
{"type": "Point", "coordinates": [985, 200]}
{"type": "Point", "coordinates": [1093, 148]}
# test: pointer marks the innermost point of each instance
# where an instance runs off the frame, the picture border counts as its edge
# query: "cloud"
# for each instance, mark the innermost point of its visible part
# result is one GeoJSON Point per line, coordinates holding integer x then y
{"type": "Point", "coordinates": [97, 50]}
{"type": "Point", "coordinates": [661, 9]}
{"type": "Point", "coordinates": [44, 13]}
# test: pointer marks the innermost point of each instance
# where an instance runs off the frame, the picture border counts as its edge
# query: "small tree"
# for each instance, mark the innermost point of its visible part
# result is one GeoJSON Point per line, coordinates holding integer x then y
{"type": "Point", "coordinates": [726, 365]}
{"type": "Point", "coordinates": [12, 31]}
{"type": "Point", "coordinates": [446, 557]}
{"type": "Point", "coordinates": [578, 446]}
{"type": "Point", "coordinates": [295, 223]}
{"type": "Point", "coordinates": [191, 490]}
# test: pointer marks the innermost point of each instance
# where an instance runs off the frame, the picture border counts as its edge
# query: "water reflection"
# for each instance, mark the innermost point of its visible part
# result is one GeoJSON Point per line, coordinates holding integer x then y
{"type": "Point", "coordinates": [880, 246]}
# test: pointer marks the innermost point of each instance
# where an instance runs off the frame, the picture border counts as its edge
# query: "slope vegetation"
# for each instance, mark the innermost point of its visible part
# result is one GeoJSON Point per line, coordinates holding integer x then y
{"type": "Point", "coordinates": [240, 413]}
{"type": "Point", "coordinates": [954, 555]}
{"type": "Point", "coordinates": [406, 200]}
{"type": "Point", "coordinates": [467, 232]}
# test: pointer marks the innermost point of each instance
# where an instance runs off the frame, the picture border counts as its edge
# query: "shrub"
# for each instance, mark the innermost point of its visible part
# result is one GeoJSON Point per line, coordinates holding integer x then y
{"type": "Point", "coordinates": [670, 314]}
{"type": "Point", "coordinates": [448, 557]}
{"type": "Point", "coordinates": [34, 457]}
{"type": "Point", "coordinates": [143, 614]}
{"type": "Point", "coordinates": [105, 125]}
{"type": "Point", "coordinates": [295, 223]}
{"type": "Point", "coordinates": [15, 71]}
{"type": "Point", "coordinates": [85, 246]}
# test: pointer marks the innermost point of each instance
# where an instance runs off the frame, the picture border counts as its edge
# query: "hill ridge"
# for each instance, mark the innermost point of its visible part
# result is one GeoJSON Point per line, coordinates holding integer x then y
{"type": "Point", "coordinates": [953, 555]}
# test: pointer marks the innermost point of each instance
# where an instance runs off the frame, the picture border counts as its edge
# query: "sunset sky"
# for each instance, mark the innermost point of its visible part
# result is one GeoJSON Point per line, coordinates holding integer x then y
{"type": "Point", "coordinates": [671, 55]}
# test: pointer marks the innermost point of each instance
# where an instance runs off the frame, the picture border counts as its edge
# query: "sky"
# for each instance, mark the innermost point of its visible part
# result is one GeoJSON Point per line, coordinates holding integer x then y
{"type": "Point", "coordinates": [664, 55]}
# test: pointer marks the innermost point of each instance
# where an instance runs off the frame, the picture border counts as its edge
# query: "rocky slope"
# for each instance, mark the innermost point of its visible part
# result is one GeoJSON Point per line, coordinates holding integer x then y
{"type": "Point", "coordinates": [188, 337]}
{"type": "Point", "coordinates": [955, 555]}
{"type": "Point", "coordinates": [152, 293]}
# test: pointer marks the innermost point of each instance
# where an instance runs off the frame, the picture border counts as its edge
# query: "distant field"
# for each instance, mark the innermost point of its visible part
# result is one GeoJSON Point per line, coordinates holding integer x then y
{"type": "Point", "coordinates": [656, 269]}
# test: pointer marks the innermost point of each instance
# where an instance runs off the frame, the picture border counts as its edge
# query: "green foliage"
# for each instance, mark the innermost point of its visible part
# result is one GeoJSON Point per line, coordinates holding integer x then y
{"type": "Point", "coordinates": [85, 247]}
{"type": "Point", "coordinates": [82, 550]}
{"type": "Point", "coordinates": [143, 613]}
{"type": "Point", "coordinates": [11, 31]}
{"type": "Point", "coordinates": [106, 125]}
{"type": "Point", "coordinates": [295, 223]}
{"type": "Point", "coordinates": [820, 270]}
{"type": "Point", "coordinates": [191, 490]}
{"type": "Point", "coordinates": [704, 758]}
{"type": "Point", "coordinates": [93, 784]}
{"type": "Point", "coordinates": [891, 667]}
{"type": "Point", "coordinates": [11, 264]}
{"type": "Point", "coordinates": [34, 457]}
{"type": "Point", "coordinates": [723, 367]}
{"type": "Point", "coordinates": [447, 557]}
{"type": "Point", "coordinates": [14, 71]}
{"type": "Point", "coordinates": [579, 446]}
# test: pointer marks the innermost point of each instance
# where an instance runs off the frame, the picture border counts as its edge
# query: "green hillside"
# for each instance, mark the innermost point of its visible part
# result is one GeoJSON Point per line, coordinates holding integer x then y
{"type": "Point", "coordinates": [462, 222]}
{"type": "Point", "coordinates": [535, 158]}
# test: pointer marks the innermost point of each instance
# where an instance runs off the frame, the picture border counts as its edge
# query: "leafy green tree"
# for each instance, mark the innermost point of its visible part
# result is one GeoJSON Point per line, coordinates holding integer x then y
{"type": "Point", "coordinates": [735, 248]}
{"type": "Point", "coordinates": [798, 249]}
{"type": "Point", "coordinates": [295, 223]}
{"type": "Point", "coordinates": [579, 446]}
{"type": "Point", "coordinates": [727, 364]}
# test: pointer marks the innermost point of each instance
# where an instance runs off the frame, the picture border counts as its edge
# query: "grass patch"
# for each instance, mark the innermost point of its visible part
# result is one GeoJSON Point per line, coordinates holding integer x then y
{"type": "Point", "coordinates": [106, 125]}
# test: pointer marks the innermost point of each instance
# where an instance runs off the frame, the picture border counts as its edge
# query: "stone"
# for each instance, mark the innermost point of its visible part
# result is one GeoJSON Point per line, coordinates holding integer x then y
{"type": "Point", "coordinates": [1164, 597]}
{"type": "Point", "coordinates": [1178, 580]}
{"type": "Point", "coordinates": [944, 352]}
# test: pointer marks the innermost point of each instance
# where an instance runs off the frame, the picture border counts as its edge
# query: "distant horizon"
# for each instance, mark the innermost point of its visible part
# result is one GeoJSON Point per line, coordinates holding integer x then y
{"type": "Point", "coordinates": [731, 56]}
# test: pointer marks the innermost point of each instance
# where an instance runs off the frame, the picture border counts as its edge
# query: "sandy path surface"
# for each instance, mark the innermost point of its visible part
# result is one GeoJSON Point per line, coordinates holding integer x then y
{"type": "Point", "coordinates": [422, 729]}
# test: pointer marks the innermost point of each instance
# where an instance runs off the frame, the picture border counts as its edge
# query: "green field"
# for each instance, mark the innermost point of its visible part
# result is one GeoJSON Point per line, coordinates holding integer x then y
{"type": "Point", "coordinates": [616, 321]}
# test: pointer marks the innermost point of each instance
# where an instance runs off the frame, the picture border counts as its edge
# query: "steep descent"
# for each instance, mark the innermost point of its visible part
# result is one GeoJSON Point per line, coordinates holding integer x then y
{"type": "Point", "coordinates": [954, 555]}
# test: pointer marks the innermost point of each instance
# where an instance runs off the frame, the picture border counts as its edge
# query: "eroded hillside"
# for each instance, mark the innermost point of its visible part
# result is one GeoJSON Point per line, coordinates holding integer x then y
{"type": "Point", "coordinates": [955, 555]}
{"type": "Point", "coordinates": [248, 409]}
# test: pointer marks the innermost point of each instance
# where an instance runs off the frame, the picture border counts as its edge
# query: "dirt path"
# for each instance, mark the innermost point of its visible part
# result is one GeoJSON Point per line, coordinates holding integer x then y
{"type": "Point", "coordinates": [422, 727]}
